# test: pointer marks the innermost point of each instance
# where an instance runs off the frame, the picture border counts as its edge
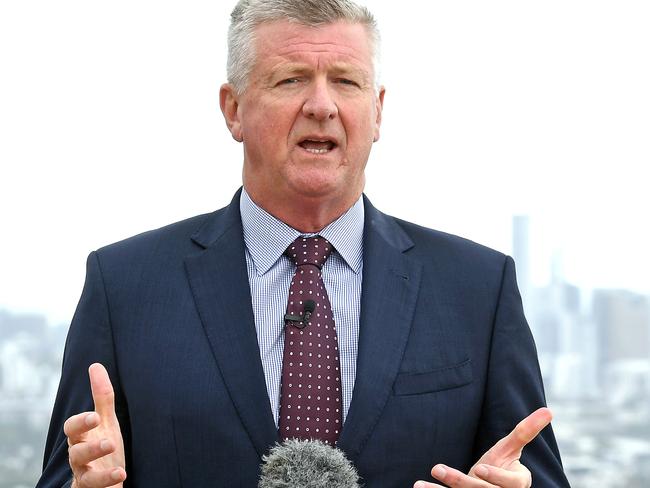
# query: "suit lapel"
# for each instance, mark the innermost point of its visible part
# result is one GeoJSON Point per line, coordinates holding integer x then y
{"type": "Point", "coordinates": [219, 283]}
{"type": "Point", "coordinates": [390, 287]}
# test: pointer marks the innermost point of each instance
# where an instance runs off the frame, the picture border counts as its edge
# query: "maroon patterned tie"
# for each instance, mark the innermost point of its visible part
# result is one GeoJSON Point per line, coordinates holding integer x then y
{"type": "Point", "coordinates": [310, 392]}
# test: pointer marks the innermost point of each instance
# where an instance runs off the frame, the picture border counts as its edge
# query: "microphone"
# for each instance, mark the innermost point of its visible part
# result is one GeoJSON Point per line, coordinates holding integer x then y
{"type": "Point", "coordinates": [307, 464]}
{"type": "Point", "coordinates": [310, 306]}
{"type": "Point", "coordinates": [301, 321]}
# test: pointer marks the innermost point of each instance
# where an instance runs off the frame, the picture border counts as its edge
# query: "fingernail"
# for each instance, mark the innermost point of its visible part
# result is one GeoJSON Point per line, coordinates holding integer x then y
{"type": "Point", "coordinates": [91, 419]}
{"type": "Point", "coordinates": [117, 474]}
{"type": "Point", "coordinates": [482, 471]}
{"type": "Point", "coordinates": [439, 472]}
{"type": "Point", "coordinates": [104, 445]}
{"type": "Point", "coordinates": [419, 484]}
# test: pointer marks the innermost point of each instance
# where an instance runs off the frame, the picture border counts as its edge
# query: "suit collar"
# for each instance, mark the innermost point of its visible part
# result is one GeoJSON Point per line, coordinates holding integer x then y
{"type": "Point", "coordinates": [218, 223]}
{"type": "Point", "coordinates": [384, 227]}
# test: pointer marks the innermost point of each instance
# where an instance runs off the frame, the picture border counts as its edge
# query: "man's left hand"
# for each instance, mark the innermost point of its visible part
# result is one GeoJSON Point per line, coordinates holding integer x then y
{"type": "Point", "coordinates": [500, 466]}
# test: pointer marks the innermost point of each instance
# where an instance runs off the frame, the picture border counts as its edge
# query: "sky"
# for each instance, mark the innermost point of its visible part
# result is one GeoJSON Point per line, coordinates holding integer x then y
{"type": "Point", "coordinates": [110, 125]}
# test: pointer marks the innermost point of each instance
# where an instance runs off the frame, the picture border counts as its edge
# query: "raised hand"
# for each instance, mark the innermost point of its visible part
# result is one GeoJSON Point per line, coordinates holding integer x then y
{"type": "Point", "coordinates": [96, 449]}
{"type": "Point", "coordinates": [500, 466]}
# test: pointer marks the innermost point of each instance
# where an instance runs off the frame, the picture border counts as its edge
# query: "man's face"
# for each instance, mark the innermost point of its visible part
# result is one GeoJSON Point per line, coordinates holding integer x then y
{"type": "Point", "coordinates": [309, 114]}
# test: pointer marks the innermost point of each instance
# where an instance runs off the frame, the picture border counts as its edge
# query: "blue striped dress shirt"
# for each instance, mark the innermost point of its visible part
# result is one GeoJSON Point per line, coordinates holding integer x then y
{"type": "Point", "coordinates": [269, 275]}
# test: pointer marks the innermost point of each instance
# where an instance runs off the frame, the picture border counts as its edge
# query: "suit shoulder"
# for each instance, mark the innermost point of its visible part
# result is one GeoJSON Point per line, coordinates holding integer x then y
{"type": "Point", "coordinates": [457, 257]}
{"type": "Point", "coordinates": [170, 239]}
{"type": "Point", "coordinates": [443, 242]}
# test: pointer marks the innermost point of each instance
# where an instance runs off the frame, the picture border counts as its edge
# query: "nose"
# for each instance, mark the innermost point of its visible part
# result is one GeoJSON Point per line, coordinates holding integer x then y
{"type": "Point", "coordinates": [319, 104]}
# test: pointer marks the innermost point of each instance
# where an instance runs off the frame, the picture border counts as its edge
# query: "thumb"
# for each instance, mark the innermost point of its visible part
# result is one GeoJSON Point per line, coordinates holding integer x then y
{"type": "Point", "coordinates": [524, 432]}
{"type": "Point", "coordinates": [102, 390]}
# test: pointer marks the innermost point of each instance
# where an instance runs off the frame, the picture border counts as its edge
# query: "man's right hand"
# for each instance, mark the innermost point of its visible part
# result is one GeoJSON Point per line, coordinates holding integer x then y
{"type": "Point", "coordinates": [96, 448]}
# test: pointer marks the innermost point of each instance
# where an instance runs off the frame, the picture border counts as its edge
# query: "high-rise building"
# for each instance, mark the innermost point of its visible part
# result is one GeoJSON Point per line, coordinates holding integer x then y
{"type": "Point", "coordinates": [623, 318]}
{"type": "Point", "coordinates": [521, 253]}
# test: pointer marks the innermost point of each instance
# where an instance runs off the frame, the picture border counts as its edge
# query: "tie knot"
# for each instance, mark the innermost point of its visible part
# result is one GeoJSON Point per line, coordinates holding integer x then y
{"type": "Point", "coordinates": [309, 250]}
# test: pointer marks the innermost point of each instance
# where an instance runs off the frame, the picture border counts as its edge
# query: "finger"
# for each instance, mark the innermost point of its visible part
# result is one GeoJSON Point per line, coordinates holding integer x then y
{"type": "Point", "coordinates": [425, 484]}
{"type": "Point", "coordinates": [102, 390]}
{"type": "Point", "coordinates": [457, 479]}
{"type": "Point", "coordinates": [101, 478]}
{"type": "Point", "coordinates": [77, 425]}
{"type": "Point", "coordinates": [520, 476]}
{"type": "Point", "coordinates": [523, 433]}
{"type": "Point", "coordinates": [84, 452]}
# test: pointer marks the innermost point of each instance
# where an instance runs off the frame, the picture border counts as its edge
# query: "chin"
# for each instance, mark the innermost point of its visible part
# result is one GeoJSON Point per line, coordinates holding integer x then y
{"type": "Point", "coordinates": [318, 184]}
{"type": "Point", "coordinates": [311, 191]}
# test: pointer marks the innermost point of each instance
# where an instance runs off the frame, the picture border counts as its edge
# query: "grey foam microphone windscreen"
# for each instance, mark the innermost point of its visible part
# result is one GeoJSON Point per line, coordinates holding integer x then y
{"type": "Point", "coordinates": [307, 464]}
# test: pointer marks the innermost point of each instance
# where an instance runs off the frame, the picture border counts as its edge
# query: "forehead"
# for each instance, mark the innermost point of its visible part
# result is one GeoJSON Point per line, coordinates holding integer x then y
{"type": "Point", "coordinates": [337, 42]}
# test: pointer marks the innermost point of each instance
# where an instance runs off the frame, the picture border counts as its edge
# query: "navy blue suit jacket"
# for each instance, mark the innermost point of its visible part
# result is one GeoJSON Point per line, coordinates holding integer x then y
{"type": "Point", "coordinates": [446, 361]}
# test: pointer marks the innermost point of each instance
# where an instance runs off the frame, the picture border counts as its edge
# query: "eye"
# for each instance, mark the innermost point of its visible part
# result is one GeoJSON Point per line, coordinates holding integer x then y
{"type": "Point", "coordinates": [289, 81]}
{"type": "Point", "coordinates": [346, 81]}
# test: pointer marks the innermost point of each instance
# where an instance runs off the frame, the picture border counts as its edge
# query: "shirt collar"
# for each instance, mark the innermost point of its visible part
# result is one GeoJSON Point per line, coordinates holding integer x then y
{"type": "Point", "coordinates": [267, 238]}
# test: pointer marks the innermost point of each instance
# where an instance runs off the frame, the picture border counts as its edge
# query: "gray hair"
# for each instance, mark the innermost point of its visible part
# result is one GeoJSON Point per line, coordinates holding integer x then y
{"type": "Point", "coordinates": [248, 14]}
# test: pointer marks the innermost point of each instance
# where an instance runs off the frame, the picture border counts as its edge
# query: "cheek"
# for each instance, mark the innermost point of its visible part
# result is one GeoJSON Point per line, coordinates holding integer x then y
{"type": "Point", "coordinates": [271, 126]}
{"type": "Point", "coordinates": [261, 136]}
{"type": "Point", "coordinates": [361, 126]}
{"type": "Point", "coordinates": [360, 135]}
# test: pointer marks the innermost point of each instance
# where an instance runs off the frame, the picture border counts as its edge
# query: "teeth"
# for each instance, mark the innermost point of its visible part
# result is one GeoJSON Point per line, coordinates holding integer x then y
{"type": "Point", "coordinates": [317, 146]}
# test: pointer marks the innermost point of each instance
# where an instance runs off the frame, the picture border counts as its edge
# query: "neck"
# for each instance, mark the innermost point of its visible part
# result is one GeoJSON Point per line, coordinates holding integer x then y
{"type": "Point", "coordinates": [303, 213]}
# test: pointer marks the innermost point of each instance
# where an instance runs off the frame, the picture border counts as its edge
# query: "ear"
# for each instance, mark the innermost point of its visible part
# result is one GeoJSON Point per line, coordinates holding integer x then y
{"type": "Point", "coordinates": [379, 101]}
{"type": "Point", "coordinates": [229, 103]}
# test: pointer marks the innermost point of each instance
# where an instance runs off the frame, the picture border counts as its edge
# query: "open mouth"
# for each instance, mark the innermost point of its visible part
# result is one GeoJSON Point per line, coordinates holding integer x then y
{"type": "Point", "coordinates": [318, 146]}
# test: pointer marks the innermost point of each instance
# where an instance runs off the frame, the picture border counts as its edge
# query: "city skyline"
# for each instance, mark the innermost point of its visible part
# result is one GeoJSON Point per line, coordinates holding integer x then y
{"type": "Point", "coordinates": [576, 267]}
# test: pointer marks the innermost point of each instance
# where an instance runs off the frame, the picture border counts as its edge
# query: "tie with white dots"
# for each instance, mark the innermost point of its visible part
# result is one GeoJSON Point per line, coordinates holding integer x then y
{"type": "Point", "coordinates": [310, 392]}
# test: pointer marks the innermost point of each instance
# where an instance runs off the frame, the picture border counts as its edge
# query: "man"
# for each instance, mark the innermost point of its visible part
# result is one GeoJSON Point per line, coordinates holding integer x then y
{"type": "Point", "coordinates": [429, 361]}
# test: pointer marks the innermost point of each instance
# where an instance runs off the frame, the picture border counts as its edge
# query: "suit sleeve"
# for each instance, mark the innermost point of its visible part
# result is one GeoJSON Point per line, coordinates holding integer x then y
{"type": "Point", "coordinates": [89, 340]}
{"type": "Point", "coordinates": [514, 387]}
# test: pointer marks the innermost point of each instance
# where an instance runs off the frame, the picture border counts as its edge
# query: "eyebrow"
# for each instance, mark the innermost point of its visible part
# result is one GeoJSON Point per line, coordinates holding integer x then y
{"type": "Point", "coordinates": [293, 68]}
{"type": "Point", "coordinates": [343, 68]}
